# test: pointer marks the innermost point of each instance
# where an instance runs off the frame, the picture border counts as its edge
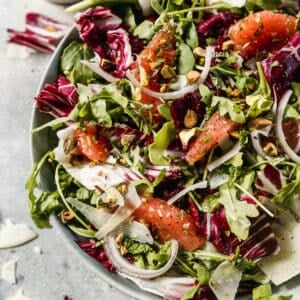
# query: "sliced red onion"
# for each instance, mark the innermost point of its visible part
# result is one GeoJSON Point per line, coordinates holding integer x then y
{"type": "Point", "coordinates": [279, 130]}
{"type": "Point", "coordinates": [169, 287]}
{"type": "Point", "coordinates": [167, 95]}
{"type": "Point", "coordinates": [255, 139]}
{"type": "Point", "coordinates": [123, 266]}
{"type": "Point", "coordinates": [94, 65]}
{"type": "Point", "coordinates": [228, 155]}
{"type": "Point", "coordinates": [208, 58]}
{"type": "Point", "coordinates": [198, 185]}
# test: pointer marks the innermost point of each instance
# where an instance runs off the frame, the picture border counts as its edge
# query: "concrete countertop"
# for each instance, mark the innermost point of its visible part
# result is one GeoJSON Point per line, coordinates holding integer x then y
{"type": "Point", "coordinates": [56, 272]}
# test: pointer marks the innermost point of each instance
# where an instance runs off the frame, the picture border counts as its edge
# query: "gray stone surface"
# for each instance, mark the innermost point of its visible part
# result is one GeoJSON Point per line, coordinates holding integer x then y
{"type": "Point", "coordinates": [57, 271]}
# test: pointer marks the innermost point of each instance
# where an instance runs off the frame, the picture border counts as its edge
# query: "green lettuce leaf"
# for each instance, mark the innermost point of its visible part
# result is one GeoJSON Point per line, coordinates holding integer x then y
{"type": "Point", "coordinates": [237, 211]}
{"type": "Point", "coordinates": [161, 141]}
{"type": "Point", "coordinates": [226, 106]}
{"type": "Point", "coordinates": [264, 292]}
{"type": "Point", "coordinates": [71, 66]}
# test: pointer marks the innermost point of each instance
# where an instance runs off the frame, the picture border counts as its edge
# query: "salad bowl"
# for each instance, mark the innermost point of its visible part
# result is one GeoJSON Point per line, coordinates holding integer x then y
{"type": "Point", "coordinates": [42, 141]}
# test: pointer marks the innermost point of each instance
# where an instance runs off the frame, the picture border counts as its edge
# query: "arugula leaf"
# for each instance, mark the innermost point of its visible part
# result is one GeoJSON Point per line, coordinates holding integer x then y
{"type": "Point", "coordinates": [144, 30]}
{"type": "Point", "coordinates": [252, 5]}
{"type": "Point", "coordinates": [153, 256]}
{"type": "Point", "coordinates": [190, 294]}
{"type": "Point", "coordinates": [237, 211]}
{"type": "Point", "coordinates": [226, 106]}
{"type": "Point", "coordinates": [264, 292]}
{"type": "Point", "coordinates": [71, 66]}
{"type": "Point", "coordinates": [41, 205]}
{"type": "Point", "coordinates": [161, 141]}
{"type": "Point", "coordinates": [260, 101]}
{"type": "Point", "coordinates": [186, 60]}
{"type": "Point", "coordinates": [288, 194]}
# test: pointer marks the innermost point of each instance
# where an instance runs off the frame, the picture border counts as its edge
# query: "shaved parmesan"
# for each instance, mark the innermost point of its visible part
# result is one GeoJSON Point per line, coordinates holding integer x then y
{"type": "Point", "coordinates": [19, 296]}
{"type": "Point", "coordinates": [286, 264]}
{"type": "Point", "coordinates": [13, 235]}
{"type": "Point", "coordinates": [9, 271]}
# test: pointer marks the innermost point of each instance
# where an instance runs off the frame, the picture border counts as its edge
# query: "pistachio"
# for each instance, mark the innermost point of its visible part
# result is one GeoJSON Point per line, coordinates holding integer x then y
{"type": "Point", "coordinates": [123, 188]}
{"type": "Point", "coordinates": [69, 145]}
{"type": "Point", "coordinates": [186, 135]}
{"type": "Point", "coordinates": [259, 123]}
{"type": "Point", "coordinates": [67, 216]}
{"type": "Point", "coordinates": [106, 64]}
{"type": "Point", "coordinates": [167, 72]}
{"type": "Point", "coordinates": [119, 239]}
{"type": "Point", "coordinates": [192, 76]}
{"type": "Point", "coordinates": [144, 80]}
{"type": "Point", "coordinates": [123, 250]}
{"type": "Point", "coordinates": [127, 139]}
{"type": "Point", "coordinates": [227, 45]}
{"type": "Point", "coordinates": [270, 149]}
{"type": "Point", "coordinates": [199, 51]}
{"type": "Point", "coordinates": [190, 119]}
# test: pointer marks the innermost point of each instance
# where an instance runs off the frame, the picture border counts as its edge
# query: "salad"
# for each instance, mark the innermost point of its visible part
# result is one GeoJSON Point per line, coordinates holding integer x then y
{"type": "Point", "coordinates": [173, 145]}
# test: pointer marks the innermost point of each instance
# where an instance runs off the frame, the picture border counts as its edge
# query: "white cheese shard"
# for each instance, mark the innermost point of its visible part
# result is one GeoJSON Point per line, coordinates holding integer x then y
{"type": "Point", "coordinates": [19, 296]}
{"type": "Point", "coordinates": [13, 235]}
{"type": "Point", "coordinates": [286, 264]}
{"type": "Point", "coordinates": [8, 271]}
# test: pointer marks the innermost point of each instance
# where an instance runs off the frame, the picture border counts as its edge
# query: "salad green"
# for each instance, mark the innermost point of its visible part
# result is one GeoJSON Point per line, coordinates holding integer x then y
{"type": "Point", "coordinates": [173, 152]}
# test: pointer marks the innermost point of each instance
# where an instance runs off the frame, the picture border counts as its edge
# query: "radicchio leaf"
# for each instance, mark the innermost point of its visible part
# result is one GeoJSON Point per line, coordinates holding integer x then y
{"type": "Point", "coordinates": [42, 33]}
{"type": "Point", "coordinates": [269, 181]}
{"type": "Point", "coordinates": [179, 108]}
{"type": "Point", "coordinates": [45, 26]}
{"type": "Point", "coordinates": [261, 241]}
{"type": "Point", "coordinates": [101, 30]}
{"type": "Point", "coordinates": [97, 252]}
{"type": "Point", "coordinates": [57, 99]}
{"type": "Point", "coordinates": [281, 67]}
{"type": "Point", "coordinates": [216, 26]}
{"type": "Point", "coordinates": [31, 40]}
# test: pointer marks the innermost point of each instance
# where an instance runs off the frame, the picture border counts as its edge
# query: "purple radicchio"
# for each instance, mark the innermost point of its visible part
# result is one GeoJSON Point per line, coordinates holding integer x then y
{"type": "Point", "coordinates": [269, 181]}
{"type": "Point", "coordinates": [282, 67]}
{"type": "Point", "coordinates": [97, 252]}
{"type": "Point", "coordinates": [42, 33]}
{"type": "Point", "coordinates": [216, 26]}
{"type": "Point", "coordinates": [180, 107]}
{"type": "Point", "coordinates": [57, 99]}
{"type": "Point", "coordinates": [261, 241]}
{"type": "Point", "coordinates": [101, 30]}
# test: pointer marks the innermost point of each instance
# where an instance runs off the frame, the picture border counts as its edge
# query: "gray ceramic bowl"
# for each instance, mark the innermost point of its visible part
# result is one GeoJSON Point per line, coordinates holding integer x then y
{"type": "Point", "coordinates": [39, 146]}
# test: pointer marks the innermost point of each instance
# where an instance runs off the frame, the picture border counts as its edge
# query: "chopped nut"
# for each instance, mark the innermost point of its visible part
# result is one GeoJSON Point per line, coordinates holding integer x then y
{"type": "Point", "coordinates": [123, 188]}
{"type": "Point", "coordinates": [199, 51]}
{"type": "Point", "coordinates": [163, 88]}
{"type": "Point", "coordinates": [144, 80]}
{"type": "Point", "coordinates": [227, 45]}
{"type": "Point", "coordinates": [259, 123]}
{"type": "Point", "coordinates": [50, 28]}
{"type": "Point", "coordinates": [192, 76]}
{"type": "Point", "coordinates": [69, 144]}
{"type": "Point", "coordinates": [123, 250]}
{"type": "Point", "coordinates": [190, 119]}
{"type": "Point", "coordinates": [106, 64]}
{"type": "Point", "coordinates": [123, 162]}
{"type": "Point", "coordinates": [127, 139]}
{"type": "Point", "coordinates": [271, 149]}
{"type": "Point", "coordinates": [167, 72]}
{"type": "Point", "coordinates": [67, 216]}
{"type": "Point", "coordinates": [119, 239]}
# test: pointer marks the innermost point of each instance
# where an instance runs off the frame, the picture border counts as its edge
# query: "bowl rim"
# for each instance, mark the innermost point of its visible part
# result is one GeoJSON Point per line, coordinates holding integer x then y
{"type": "Point", "coordinates": [122, 284]}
